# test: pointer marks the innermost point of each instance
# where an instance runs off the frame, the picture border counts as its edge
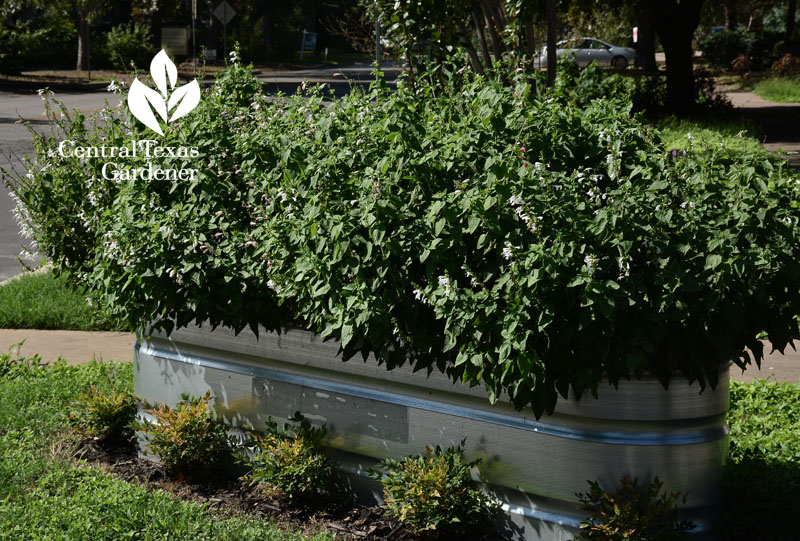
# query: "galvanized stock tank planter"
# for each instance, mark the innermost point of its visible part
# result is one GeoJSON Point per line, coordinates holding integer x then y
{"type": "Point", "coordinates": [534, 467]}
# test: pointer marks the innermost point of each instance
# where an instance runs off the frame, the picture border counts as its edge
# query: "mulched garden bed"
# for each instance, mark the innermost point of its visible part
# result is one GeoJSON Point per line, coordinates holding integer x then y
{"type": "Point", "coordinates": [349, 521]}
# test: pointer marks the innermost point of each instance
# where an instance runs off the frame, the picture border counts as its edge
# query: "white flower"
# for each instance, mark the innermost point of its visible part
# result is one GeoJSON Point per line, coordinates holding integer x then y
{"type": "Point", "coordinates": [271, 284]}
{"type": "Point", "coordinates": [515, 200]}
{"type": "Point", "coordinates": [234, 56]}
{"type": "Point", "coordinates": [114, 86]}
{"type": "Point", "coordinates": [625, 267]}
{"type": "Point", "coordinates": [444, 282]}
{"type": "Point", "coordinates": [590, 264]}
{"type": "Point", "coordinates": [690, 137]}
{"type": "Point", "coordinates": [420, 296]}
{"type": "Point", "coordinates": [507, 253]}
{"type": "Point", "coordinates": [473, 282]}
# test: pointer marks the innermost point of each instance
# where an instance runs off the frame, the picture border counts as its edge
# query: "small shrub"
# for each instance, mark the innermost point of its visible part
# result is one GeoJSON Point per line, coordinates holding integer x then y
{"type": "Point", "coordinates": [107, 416]}
{"type": "Point", "coordinates": [434, 493]}
{"type": "Point", "coordinates": [787, 65]}
{"type": "Point", "coordinates": [129, 43]}
{"type": "Point", "coordinates": [721, 48]}
{"type": "Point", "coordinates": [632, 512]}
{"type": "Point", "coordinates": [290, 461]}
{"type": "Point", "coordinates": [186, 439]}
{"type": "Point", "coordinates": [741, 64]}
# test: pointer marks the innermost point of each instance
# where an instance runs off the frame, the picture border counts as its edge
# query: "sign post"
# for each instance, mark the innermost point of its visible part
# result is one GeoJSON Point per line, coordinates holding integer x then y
{"type": "Point", "coordinates": [308, 42]}
{"type": "Point", "coordinates": [194, 47]}
{"type": "Point", "coordinates": [224, 13]}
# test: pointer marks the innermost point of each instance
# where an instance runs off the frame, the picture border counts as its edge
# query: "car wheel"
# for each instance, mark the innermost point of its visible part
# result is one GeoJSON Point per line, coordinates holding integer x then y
{"type": "Point", "coordinates": [619, 62]}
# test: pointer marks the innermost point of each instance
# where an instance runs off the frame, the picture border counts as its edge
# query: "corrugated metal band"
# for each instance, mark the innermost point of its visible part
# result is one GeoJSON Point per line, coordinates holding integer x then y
{"type": "Point", "coordinates": [674, 437]}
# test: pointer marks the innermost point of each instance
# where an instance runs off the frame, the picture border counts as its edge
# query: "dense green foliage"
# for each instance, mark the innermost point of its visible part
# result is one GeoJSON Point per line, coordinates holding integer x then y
{"type": "Point", "coordinates": [45, 36]}
{"type": "Point", "coordinates": [45, 301]}
{"type": "Point", "coordinates": [632, 512]}
{"type": "Point", "coordinates": [47, 494]}
{"type": "Point", "coordinates": [646, 93]}
{"type": "Point", "coordinates": [129, 45]}
{"type": "Point", "coordinates": [186, 438]}
{"type": "Point", "coordinates": [434, 494]}
{"type": "Point", "coordinates": [478, 229]}
{"type": "Point", "coordinates": [721, 48]}
{"type": "Point", "coordinates": [289, 460]}
{"type": "Point", "coordinates": [762, 478]}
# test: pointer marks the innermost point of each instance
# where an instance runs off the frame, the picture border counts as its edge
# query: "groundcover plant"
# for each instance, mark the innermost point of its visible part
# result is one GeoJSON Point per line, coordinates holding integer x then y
{"type": "Point", "coordinates": [474, 227]}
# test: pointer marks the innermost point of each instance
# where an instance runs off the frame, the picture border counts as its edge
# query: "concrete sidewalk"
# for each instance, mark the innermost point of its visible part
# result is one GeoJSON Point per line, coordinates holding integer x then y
{"type": "Point", "coordinates": [79, 347]}
{"type": "Point", "coordinates": [778, 120]}
{"type": "Point", "coordinates": [74, 346]}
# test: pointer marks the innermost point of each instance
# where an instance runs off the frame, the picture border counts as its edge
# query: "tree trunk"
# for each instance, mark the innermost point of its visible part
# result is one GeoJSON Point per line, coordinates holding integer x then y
{"type": "Point", "coordinates": [790, 19]}
{"type": "Point", "coordinates": [730, 14]}
{"type": "Point", "coordinates": [646, 46]}
{"type": "Point", "coordinates": [476, 19]}
{"type": "Point", "coordinates": [466, 42]}
{"type": "Point", "coordinates": [83, 40]}
{"type": "Point", "coordinates": [551, 42]}
{"type": "Point", "coordinates": [675, 23]}
{"type": "Point", "coordinates": [497, 42]}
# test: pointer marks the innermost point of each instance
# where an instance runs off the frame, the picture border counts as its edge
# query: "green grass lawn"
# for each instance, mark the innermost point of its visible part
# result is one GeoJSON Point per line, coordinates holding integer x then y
{"type": "Point", "coordinates": [44, 301]}
{"type": "Point", "coordinates": [47, 494]}
{"type": "Point", "coordinates": [762, 477]}
{"type": "Point", "coordinates": [779, 89]}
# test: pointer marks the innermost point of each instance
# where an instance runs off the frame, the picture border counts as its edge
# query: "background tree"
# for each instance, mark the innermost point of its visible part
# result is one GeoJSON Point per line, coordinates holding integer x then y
{"type": "Point", "coordinates": [489, 33]}
{"type": "Point", "coordinates": [675, 23]}
{"type": "Point", "coordinates": [87, 12]}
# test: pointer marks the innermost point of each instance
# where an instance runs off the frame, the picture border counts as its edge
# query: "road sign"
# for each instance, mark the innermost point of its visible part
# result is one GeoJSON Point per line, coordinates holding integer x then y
{"type": "Point", "coordinates": [224, 12]}
{"type": "Point", "coordinates": [175, 40]}
{"type": "Point", "coordinates": [308, 42]}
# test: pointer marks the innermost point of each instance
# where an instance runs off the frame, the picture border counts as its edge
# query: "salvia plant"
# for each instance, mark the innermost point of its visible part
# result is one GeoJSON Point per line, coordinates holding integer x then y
{"type": "Point", "coordinates": [475, 228]}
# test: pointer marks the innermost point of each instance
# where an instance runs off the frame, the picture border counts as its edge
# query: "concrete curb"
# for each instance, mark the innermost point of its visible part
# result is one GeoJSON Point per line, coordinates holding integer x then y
{"type": "Point", "coordinates": [40, 270]}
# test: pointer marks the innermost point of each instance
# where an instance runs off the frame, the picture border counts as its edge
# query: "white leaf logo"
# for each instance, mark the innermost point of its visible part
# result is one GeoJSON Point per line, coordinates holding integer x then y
{"type": "Point", "coordinates": [143, 100]}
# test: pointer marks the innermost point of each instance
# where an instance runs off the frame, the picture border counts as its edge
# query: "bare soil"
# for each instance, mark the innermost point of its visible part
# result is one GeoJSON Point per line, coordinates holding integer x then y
{"type": "Point", "coordinates": [229, 496]}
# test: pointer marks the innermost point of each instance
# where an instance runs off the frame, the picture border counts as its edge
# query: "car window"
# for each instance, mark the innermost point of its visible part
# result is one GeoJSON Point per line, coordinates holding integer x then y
{"type": "Point", "coordinates": [594, 44]}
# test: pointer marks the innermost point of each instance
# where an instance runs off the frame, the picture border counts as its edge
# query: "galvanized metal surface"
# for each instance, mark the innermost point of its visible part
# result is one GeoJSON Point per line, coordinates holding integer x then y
{"type": "Point", "coordinates": [534, 466]}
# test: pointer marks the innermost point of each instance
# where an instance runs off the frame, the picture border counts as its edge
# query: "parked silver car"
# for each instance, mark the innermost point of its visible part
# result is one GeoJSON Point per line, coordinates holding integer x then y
{"type": "Point", "coordinates": [587, 50]}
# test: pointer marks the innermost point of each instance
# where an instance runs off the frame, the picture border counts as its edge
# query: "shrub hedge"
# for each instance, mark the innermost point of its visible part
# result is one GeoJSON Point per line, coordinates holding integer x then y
{"type": "Point", "coordinates": [476, 228]}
